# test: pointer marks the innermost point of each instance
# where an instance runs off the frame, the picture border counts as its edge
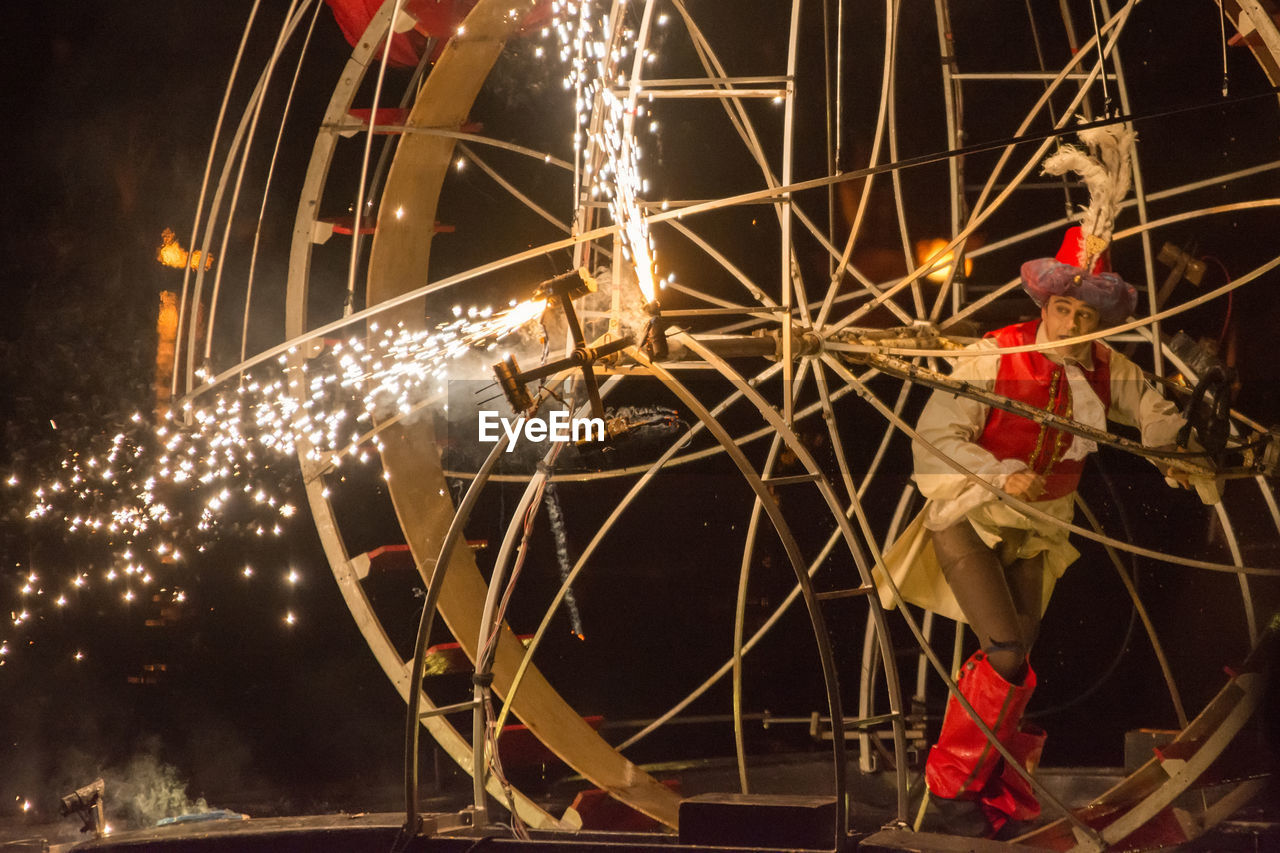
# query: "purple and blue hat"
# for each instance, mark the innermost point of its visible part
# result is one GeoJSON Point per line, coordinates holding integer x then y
{"type": "Point", "coordinates": [1065, 275]}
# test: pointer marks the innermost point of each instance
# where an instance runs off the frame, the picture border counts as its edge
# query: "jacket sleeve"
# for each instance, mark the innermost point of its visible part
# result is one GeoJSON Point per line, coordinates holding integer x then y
{"type": "Point", "coordinates": [1135, 402]}
{"type": "Point", "coordinates": [952, 424]}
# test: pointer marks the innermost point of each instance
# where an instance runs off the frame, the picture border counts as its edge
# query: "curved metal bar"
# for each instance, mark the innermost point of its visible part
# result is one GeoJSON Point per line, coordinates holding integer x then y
{"type": "Point", "coordinates": [459, 135]}
{"type": "Point", "coordinates": [742, 123]}
{"type": "Point", "coordinates": [734, 109]}
{"type": "Point", "coordinates": [244, 129]}
{"type": "Point", "coordinates": [1224, 519]}
{"type": "Point", "coordinates": [313, 187]}
{"type": "Point", "coordinates": [1114, 25]}
{"type": "Point", "coordinates": [817, 562]}
{"type": "Point", "coordinates": [855, 550]}
{"type": "Point", "coordinates": [866, 674]}
{"type": "Point", "coordinates": [1140, 201]}
{"type": "Point", "coordinates": [846, 477]}
{"type": "Point", "coordinates": [740, 606]}
{"type": "Point", "coordinates": [375, 184]}
{"type": "Point", "coordinates": [908, 257]}
{"type": "Point", "coordinates": [1174, 694]}
{"type": "Point", "coordinates": [864, 201]}
{"type": "Point", "coordinates": [587, 551]}
{"type": "Point", "coordinates": [511, 189]}
{"type": "Point", "coordinates": [358, 206]}
{"type": "Point", "coordinates": [204, 182]}
{"type": "Point", "coordinates": [254, 113]}
{"type": "Point", "coordinates": [1256, 204]}
{"type": "Point", "coordinates": [729, 267]}
{"type": "Point", "coordinates": [953, 111]}
{"type": "Point", "coordinates": [1228, 531]}
{"type": "Point", "coordinates": [489, 618]}
{"type": "Point", "coordinates": [384, 651]}
{"type": "Point", "coordinates": [789, 545]}
{"type": "Point", "coordinates": [1270, 499]}
{"type": "Point", "coordinates": [485, 645]}
{"type": "Point", "coordinates": [434, 585]}
{"type": "Point", "coordinates": [980, 214]}
{"type": "Point", "coordinates": [837, 444]}
{"type": "Point", "coordinates": [740, 615]}
{"type": "Point", "coordinates": [605, 527]}
{"type": "Point", "coordinates": [266, 188]}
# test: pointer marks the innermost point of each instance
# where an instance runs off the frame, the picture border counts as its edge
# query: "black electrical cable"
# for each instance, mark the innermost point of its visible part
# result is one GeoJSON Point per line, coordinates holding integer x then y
{"type": "Point", "coordinates": [1133, 614]}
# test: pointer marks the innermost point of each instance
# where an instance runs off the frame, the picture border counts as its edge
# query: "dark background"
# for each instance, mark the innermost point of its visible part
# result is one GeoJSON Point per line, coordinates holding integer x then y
{"type": "Point", "coordinates": [110, 109]}
{"type": "Point", "coordinates": [117, 103]}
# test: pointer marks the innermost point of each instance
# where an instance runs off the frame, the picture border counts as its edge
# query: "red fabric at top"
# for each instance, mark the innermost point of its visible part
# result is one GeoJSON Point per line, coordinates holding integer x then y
{"type": "Point", "coordinates": [353, 17]}
{"type": "Point", "coordinates": [438, 19]}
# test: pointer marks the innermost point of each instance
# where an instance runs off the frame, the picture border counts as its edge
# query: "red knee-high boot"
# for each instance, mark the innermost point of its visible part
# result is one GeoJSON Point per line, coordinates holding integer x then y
{"type": "Point", "coordinates": [1009, 797]}
{"type": "Point", "coordinates": [962, 760]}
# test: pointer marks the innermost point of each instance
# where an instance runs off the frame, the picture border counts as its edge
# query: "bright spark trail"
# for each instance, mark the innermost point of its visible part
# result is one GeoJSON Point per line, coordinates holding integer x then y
{"type": "Point", "coordinates": [150, 495]}
{"type": "Point", "coordinates": [153, 493]}
{"type": "Point", "coordinates": [608, 154]}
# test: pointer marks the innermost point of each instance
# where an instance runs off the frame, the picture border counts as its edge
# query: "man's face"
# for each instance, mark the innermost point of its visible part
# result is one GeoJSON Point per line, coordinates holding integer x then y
{"type": "Point", "coordinates": [1067, 317]}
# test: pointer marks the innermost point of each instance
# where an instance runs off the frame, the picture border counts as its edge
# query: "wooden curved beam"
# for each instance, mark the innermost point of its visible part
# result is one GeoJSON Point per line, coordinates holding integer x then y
{"type": "Point", "coordinates": [399, 262]}
{"type": "Point", "coordinates": [364, 55]}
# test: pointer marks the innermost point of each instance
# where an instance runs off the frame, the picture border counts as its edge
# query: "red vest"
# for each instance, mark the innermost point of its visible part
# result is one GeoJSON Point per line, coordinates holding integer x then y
{"type": "Point", "coordinates": [1031, 378]}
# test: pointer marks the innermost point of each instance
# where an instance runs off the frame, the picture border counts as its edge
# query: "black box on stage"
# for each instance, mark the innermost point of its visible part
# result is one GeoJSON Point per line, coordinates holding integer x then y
{"type": "Point", "coordinates": [759, 820]}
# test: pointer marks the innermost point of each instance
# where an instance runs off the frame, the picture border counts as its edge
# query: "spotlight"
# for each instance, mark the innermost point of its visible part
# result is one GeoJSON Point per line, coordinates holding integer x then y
{"type": "Point", "coordinates": [86, 802]}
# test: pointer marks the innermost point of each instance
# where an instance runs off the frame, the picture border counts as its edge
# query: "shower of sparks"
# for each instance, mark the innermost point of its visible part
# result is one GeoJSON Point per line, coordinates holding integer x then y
{"type": "Point", "coordinates": [155, 493]}
{"type": "Point", "coordinates": [608, 153]}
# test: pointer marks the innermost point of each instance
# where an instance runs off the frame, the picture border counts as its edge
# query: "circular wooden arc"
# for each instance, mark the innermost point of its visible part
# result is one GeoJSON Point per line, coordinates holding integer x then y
{"type": "Point", "coordinates": [398, 263]}
{"type": "Point", "coordinates": [365, 55]}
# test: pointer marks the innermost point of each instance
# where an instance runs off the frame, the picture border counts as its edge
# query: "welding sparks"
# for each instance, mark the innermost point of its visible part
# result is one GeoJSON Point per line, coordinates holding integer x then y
{"type": "Point", "coordinates": [152, 493]}
{"type": "Point", "coordinates": [597, 77]}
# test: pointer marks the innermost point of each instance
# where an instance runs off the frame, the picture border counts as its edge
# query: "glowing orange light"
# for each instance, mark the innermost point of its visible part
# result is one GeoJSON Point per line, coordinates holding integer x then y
{"type": "Point", "coordinates": [171, 253]}
{"type": "Point", "coordinates": [931, 254]}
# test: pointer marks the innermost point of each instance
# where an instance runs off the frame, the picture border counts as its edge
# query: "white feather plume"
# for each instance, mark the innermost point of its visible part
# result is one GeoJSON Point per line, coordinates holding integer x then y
{"type": "Point", "coordinates": [1107, 170]}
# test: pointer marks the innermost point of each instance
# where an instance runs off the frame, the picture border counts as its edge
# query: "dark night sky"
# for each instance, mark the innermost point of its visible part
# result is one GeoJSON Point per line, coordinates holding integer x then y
{"type": "Point", "coordinates": [117, 102]}
{"type": "Point", "coordinates": [110, 106]}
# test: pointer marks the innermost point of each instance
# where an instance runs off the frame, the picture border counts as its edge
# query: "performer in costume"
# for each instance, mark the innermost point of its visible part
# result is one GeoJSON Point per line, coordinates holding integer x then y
{"type": "Point", "coordinates": [975, 559]}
